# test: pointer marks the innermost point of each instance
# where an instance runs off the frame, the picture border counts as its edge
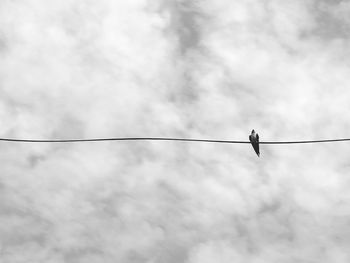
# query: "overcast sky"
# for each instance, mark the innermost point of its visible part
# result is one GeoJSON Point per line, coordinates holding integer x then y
{"type": "Point", "coordinates": [200, 69]}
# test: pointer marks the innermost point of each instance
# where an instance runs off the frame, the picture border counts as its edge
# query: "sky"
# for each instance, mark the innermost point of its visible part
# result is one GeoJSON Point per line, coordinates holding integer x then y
{"type": "Point", "coordinates": [198, 69]}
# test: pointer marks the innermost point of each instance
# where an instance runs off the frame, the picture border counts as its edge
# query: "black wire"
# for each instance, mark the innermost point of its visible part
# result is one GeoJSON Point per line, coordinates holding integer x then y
{"type": "Point", "coordinates": [121, 139]}
{"type": "Point", "coordinates": [163, 139]}
{"type": "Point", "coordinates": [311, 141]}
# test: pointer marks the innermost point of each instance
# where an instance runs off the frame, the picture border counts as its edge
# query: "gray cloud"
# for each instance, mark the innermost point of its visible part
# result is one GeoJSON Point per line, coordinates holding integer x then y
{"type": "Point", "coordinates": [208, 69]}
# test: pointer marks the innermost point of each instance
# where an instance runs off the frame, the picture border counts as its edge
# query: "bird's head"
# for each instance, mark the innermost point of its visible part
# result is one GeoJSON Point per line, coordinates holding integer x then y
{"type": "Point", "coordinates": [253, 131]}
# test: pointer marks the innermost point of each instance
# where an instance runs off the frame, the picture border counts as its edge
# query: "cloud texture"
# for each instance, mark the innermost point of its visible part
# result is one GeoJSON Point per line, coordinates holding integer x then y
{"type": "Point", "coordinates": [201, 69]}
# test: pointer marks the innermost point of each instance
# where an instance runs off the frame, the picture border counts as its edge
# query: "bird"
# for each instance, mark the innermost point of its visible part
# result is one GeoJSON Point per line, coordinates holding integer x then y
{"type": "Point", "coordinates": [254, 140]}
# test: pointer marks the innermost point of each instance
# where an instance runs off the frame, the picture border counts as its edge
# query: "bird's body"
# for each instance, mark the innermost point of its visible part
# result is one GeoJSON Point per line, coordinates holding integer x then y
{"type": "Point", "coordinates": [254, 140]}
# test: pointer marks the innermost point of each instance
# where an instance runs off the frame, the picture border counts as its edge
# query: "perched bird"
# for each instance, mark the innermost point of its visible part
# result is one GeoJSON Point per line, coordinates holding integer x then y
{"type": "Point", "coordinates": [254, 140]}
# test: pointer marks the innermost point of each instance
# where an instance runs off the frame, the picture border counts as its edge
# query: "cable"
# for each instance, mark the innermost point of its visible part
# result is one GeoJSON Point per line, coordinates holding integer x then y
{"type": "Point", "coordinates": [162, 139]}
{"type": "Point", "coordinates": [299, 142]}
{"type": "Point", "coordinates": [121, 139]}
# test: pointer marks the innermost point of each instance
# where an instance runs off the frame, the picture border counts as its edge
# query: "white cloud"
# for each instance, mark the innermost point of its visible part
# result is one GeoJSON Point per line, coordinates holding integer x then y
{"type": "Point", "coordinates": [208, 69]}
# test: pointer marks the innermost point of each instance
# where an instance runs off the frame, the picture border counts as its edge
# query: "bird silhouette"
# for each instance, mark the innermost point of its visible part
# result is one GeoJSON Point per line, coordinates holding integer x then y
{"type": "Point", "coordinates": [254, 140]}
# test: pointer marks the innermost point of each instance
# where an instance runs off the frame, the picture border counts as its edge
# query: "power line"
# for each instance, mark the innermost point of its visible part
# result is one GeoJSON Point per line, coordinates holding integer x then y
{"type": "Point", "coordinates": [311, 141]}
{"type": "Point", "coordinates": [121, 139]}
{"type": "Point", "coordinates": [163, 139]}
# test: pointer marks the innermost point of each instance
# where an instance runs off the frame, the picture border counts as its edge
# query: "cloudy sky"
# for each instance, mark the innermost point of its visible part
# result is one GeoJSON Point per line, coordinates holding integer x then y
{"type": "Point", "coordinates": [200, 69]}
